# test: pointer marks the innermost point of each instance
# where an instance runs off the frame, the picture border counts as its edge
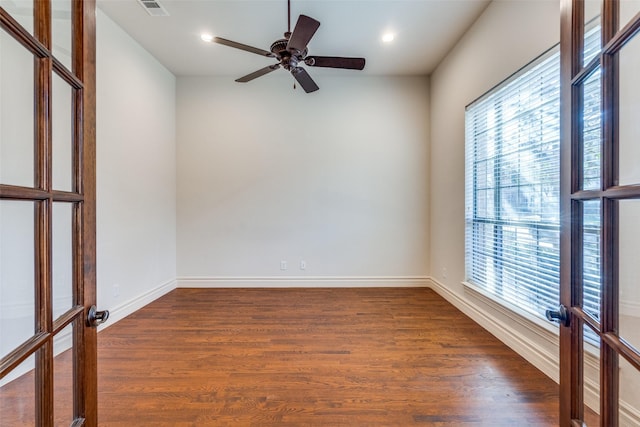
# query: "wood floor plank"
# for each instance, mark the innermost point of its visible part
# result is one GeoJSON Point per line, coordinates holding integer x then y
{"type": "Point", "coordinates": [313, 357]}
{"type": "Point", "coordinates": [295, 357]}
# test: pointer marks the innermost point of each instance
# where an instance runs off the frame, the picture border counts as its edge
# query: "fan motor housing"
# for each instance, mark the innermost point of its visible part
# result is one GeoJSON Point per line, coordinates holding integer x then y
{"type": "Point", "coordinates": [279, 48]}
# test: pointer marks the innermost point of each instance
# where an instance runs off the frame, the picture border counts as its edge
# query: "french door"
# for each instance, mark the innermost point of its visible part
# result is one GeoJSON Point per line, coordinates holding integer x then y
{"type": "Point", "coordinates": [600, 209]}
{"type": "Point", "coordinates": [47, 213]}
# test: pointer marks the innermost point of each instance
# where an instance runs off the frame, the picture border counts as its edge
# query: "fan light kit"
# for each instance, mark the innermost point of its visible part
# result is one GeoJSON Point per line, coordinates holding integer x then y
{"type": "Point", "coordinates": [291, 52]}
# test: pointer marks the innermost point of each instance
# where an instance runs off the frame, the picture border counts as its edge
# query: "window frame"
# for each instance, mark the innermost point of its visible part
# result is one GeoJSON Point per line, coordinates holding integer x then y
{"type": "Point", "coordinates": [471, 217]}
{"type": "Point", "coordinates": [592, 38]}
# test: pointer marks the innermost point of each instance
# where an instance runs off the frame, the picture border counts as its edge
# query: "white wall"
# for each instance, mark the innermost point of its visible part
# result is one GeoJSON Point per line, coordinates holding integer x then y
{"type": "Point", "coordinates": [136, 173]}
{"type": "Point", "coordinates": [337, 178]}
{"type": "Point", "coordinates": [507, 36]}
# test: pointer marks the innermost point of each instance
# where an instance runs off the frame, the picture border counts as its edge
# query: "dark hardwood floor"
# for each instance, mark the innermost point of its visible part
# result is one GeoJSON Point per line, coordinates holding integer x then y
{"type": "Point", "coordinates": [313, 357]}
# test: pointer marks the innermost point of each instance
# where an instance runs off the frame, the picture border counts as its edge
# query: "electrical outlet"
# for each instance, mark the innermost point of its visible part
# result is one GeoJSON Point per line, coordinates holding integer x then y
{"type": "Point", "coordinates": [283, 265]}
{"type": "Point", "coordinates": [116, 290]}
{"type": "Point", "coordinates": [444, 272]}
{"type": "Point", "coordinates": [303, 264]}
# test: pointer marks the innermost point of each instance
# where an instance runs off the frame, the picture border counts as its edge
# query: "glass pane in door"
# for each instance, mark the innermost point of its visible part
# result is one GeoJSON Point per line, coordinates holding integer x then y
{"type": "Point", "coordinates": [592, 33]}
{"type": "Point", "coordinates": [591, 131]}
{"type": "Point", "coordinates": [21, 11]}
{"type": "Point", "coordinates": [62, 134]}
{"type": "Point", "coordinates": [592, 19]}
{"type": "Point", "coordinates": [61, 31]}
{"type": "Point", "coordinates": [17, 279]}
{"type": "Point", "coordinates": [591, 259]}
{"type": "Point", "coordinates": [16, 113]}
{"type": "Point", "coordinates": [63, 377]}
{"type": "Point", "coordinates": [629, 131]}
{"type": "Point", "coordinates": [629, 395]}
{"type": "Point", "coordinates": [591, 385]}
{"type": "Point", "coordinates": [629, 271]}
{"type": "Point", "coordinates": [17, 396]}
{"type": "Point", "coordinates": [62, 269]}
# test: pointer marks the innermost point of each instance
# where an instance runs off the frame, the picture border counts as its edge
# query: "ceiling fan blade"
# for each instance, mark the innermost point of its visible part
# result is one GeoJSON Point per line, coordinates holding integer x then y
{"type": "Point", "coordinates": [305, 29]}
{"type": "Point", "coordinates": [305, 80]}
{"type": "Point", "coordinates": [260, 72]}
{"type": "Point", "coordinates": [241, 46]}
{"type": "Point", "coordinates": [335, 62]}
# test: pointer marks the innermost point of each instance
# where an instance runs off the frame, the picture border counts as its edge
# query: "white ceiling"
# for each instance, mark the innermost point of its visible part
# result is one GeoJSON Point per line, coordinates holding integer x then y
{"type": "Point", "coordinates": [425, 30]}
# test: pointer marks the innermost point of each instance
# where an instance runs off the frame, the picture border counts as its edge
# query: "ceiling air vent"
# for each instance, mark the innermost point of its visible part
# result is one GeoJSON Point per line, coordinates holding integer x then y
{"type": "Point", "coordinates": [153, 8]}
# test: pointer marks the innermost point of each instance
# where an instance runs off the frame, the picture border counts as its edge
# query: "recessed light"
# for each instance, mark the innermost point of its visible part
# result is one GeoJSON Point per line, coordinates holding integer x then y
{"type": "Point", "coordinates": [388, 37]}
{"type": "Point", "coordinates": [206, 37]}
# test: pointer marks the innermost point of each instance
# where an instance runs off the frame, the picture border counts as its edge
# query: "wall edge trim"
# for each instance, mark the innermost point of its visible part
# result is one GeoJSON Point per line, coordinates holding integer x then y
{"type": "Point", "coordinates": [302, 281]}
{"type": "Point", "coordinates": [123, 310]}
{"type": "Point", "coordinates": [527, 348]}
{"type": "Point", "coordinates": [538, 357]}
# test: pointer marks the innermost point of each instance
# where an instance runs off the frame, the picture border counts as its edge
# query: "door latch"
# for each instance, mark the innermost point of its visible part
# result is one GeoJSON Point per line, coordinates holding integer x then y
{"type": "Point", "coordinates": [561, 315]}
{"type": "Point", "coordinates": [95, 317]}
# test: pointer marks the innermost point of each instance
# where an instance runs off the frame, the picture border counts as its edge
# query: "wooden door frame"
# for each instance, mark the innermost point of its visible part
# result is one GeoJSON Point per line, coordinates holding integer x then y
{"type": "Point", "coordinates": [570, 335]}
{"type": "Point", "coordinates": [86, 394]}
{"type": "Point", "coordinates": [572, 195]}
{"type": "Point", "coordinates": [83, 197]}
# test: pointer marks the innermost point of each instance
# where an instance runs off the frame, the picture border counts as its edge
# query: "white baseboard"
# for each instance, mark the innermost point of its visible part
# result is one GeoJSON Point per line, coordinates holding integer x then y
{"type": "Point", "coordinates": [129, 307]}
{"type": "Point", "coordinates": [629, 308]}
{"type": "Point", "coordinates": [528, 348]}
{"type": "Point", "coordinates": [536, 355]}
{"type": "Point", "coordinates": [61, 342]}
{"type": "Point", "coordinates": [629, 416]}
{"type": "Point", "coordinates": [304, 282]}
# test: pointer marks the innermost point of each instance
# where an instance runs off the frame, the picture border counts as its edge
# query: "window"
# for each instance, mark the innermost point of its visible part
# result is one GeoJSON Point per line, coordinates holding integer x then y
{"type": "Point", "coordinates": [512, 206]}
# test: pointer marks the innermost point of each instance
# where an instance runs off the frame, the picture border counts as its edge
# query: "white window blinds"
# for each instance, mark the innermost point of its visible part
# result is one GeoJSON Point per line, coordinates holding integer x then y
{"type": "Point", "coordinates": [512, 208]}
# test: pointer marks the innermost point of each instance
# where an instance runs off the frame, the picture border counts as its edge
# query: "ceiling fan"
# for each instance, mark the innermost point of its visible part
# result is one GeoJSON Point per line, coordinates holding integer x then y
{"type": "Point", "coordinates": [291, 51]}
